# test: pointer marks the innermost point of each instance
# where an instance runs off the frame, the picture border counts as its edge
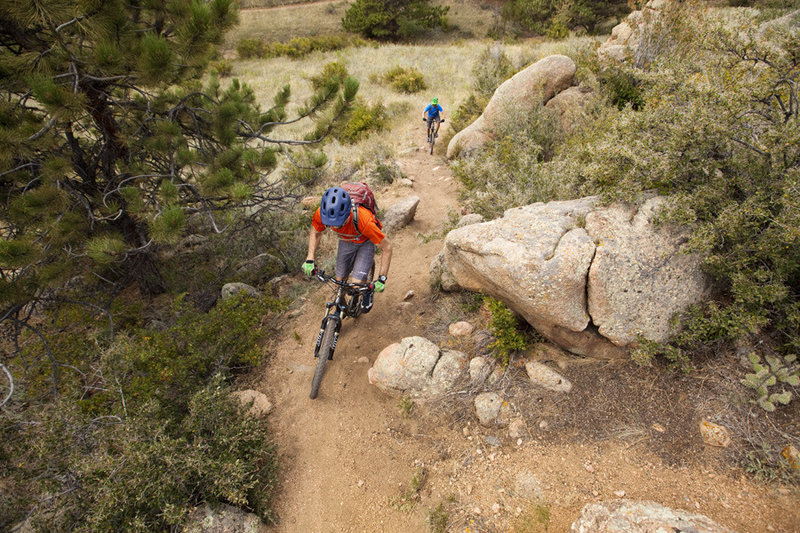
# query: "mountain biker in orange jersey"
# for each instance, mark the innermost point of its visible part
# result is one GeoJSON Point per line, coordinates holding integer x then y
{"type": "Point", "coordinates": [433, 112]}
{"type": "Point", "coordinates": [356, 252]}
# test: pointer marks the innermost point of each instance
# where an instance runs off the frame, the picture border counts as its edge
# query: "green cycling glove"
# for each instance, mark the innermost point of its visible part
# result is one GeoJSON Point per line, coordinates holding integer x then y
{"type": "Point", "coordinates": [308, 267]}
{"type": "Point", "coordinates": [380, 283]}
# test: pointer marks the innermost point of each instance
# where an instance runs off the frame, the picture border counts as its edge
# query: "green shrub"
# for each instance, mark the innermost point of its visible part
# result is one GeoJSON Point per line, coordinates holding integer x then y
{"type": "Point", "coordinates": [153, 433]}
{"type": "Point", "coordinates": [393, 19]}
{"type": "Point", "coordinates": [622, 87]}
{"type": "Point", "coordinates": [387, 173]}
{"type": "Point", "coordinates": [296, 47]}
{"type": "Point", "coordinates": [531, 15]}
{"type": "Point", "coordinates": [362, 120]}
{"type": "Point", "coordinates": [142, 472]}
{"type": "Point", "coordinates": [405, 79]}
{"type": "Point", "coordinates": [250, 48]}
{"type": "Point", "coordinates": [224, 67]}
{"type": "Point", "coordinates": [724, 149]}
{"type": "Point", "coordinates": [505, 326]}
{"type": "Point", "coordinates": [491, 68]}
{"type": "Point", "coordinates": [467, 112]}
{"type": "Point", "coordinates": [437, 519]}
{"type": "Point", "coordinates": [555, 18]}
{"type": "Point", "coordinates": [511, 171]}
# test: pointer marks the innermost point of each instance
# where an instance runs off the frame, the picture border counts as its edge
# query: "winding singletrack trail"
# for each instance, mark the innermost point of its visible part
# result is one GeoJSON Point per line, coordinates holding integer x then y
{"type": "Point", "coordinates": [349, 456]}
{"type": "Point", "coordinates": [342, 458]}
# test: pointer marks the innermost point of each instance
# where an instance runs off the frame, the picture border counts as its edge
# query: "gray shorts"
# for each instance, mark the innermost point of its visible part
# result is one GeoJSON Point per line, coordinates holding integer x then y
{"type": "Point", "coordinates": [355, 260]}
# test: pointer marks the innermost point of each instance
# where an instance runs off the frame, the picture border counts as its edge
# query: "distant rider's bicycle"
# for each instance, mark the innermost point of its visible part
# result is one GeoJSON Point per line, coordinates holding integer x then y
{"type": "Point", "coordinates": [431, 132]}
{"type": "Point", "coordinates": [346, 303]}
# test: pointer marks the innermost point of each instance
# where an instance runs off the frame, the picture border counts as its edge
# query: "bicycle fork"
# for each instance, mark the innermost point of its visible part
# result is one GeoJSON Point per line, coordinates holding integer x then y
{"type": "Point", "coordinates": [338, 320]}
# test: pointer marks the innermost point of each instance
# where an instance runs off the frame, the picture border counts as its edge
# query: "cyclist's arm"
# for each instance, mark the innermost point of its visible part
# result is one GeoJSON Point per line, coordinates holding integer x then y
{"type": "Point", "coordinates": [314, 237]}
{"type": "Point", "coordinates": [386, 256]}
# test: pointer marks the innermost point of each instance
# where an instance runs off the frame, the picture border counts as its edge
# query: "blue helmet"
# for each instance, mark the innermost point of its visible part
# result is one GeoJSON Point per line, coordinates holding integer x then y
{"type": "Point", "coordinates": [335, 206]}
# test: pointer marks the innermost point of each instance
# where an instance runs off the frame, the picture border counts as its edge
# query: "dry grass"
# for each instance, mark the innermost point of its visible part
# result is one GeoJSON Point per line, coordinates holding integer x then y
{"type": "Point", "coordinates": [284, 22]}
{"type": "Point", "coordinates": [247, 4]}
{"type": "Point", "coordinates": [447, 70]}
{"type": "Point", "coordinates": [469, 18]}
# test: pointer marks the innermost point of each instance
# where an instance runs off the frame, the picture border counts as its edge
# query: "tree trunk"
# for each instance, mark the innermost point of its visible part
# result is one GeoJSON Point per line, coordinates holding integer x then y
{"type": "Point", "coordinates": [142, 267]}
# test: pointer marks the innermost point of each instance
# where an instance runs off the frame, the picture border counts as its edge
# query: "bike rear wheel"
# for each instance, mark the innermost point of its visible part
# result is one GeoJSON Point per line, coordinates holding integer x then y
{"type": "Point", "coordinates": [325, 348]}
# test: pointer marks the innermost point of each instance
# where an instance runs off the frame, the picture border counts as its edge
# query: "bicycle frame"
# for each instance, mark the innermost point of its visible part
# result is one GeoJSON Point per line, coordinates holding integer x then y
{"type": "Point", "coordinates": [431, 129]}
{"type": "Point", "coordinates": [339, 306]}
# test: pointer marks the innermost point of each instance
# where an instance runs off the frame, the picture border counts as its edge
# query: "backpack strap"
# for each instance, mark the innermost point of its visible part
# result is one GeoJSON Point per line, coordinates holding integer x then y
{"type": "Point", "coordinates": [355, 220]}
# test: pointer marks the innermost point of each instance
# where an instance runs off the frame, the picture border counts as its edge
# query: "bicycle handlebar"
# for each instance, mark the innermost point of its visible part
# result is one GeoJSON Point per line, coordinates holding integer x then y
{"type": "Point", "coordinates": [322, 276]}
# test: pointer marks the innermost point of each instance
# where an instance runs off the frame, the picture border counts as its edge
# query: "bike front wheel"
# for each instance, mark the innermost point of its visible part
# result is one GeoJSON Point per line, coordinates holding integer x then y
{"type": "Point", "coordinates": [325, 348]}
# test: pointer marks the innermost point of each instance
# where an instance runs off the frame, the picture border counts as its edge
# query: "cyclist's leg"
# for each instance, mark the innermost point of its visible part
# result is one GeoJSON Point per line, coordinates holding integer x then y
{"type": "Point", "coordinates": [345, 257]}
{"type": "Point", "coordinates": [361, 269]}
{"type": "Point", "coordinates": [438, 120]}
{"type": "Point", "coordinates": [428, 129]}
{"type": "Point", "coordinates": [364, 257]}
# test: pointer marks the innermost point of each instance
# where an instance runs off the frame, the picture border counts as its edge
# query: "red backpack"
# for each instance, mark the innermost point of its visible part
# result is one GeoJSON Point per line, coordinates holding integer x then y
{"type": "Point", "coordinates": [361, 195]}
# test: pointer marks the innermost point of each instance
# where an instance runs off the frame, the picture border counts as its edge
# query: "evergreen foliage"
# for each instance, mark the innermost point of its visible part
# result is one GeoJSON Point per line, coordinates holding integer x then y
{"type": "Point", "coordinates": [112, 144]}
{"type": "Point", "coordinates": [145, 427]}
{"type": "Point", "coordinates": [555, 18]}
{"type": "Point", "coordinates": [393, 19]}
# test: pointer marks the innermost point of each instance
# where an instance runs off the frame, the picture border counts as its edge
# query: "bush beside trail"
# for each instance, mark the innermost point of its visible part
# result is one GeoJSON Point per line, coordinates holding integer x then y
{"type": "Point", "coordinates": [690, 132]}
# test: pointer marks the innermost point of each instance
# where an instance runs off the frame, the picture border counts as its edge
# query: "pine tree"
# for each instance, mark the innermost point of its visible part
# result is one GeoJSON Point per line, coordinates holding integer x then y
{"type": "Point", "coordinates": [110, 142]}
{"type": "Point", "coordinates": [393, 19]}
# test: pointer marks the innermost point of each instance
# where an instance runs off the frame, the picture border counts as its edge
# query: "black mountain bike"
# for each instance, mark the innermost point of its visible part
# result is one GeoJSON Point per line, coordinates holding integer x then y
{"type": "Point", "coordinates": [432, 132]}
{"type": "Point", "coordinates": [346, 302]}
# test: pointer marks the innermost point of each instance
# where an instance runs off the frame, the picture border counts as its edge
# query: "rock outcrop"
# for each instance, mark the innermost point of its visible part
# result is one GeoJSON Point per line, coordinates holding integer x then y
{"type": "Point", "coordinates": [223, 519]}
{"type": "Point", "coordinates": [589, 278]}
{"type": "Point", "coordinates": [629, 35]}
{"type": "Point", "coordinates": [527, 90]}
{"type": "Point", "coordinates": [625, 516]}
{"type": "Point", "coordinates": [229, 290]}
{"type": "Point", "coordinates": [417, 367]}
{"type": "Point", "coordinates": [569, 105]}
{"type": "Point", "coordinates": [400, 214]}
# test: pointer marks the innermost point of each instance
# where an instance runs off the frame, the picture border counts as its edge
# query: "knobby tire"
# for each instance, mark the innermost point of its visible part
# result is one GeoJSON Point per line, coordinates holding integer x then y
{"type": "Point", "coordinates": [324, 353]}
{"type": "Point", "coordinates": [431, 138]}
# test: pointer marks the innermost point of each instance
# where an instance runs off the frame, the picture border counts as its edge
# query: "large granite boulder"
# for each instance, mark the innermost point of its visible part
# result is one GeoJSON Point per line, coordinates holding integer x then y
{"type": "Point", "coordinates": [589, 278]}
{"type": "Point", "coordinates": [417, 367]}
{"type": "Point", "coordinates": [640, 274]}
{"type": "Point", "coordinates": [400, 214]}
{"type": "Point", "coordinates": [569, 105]}
{"type": "Point", "coordinates": [527, 90]}
{"type": "Point", "coordinates": [628, 36]}
{"type": "Point", "coordinates": [625, 516]}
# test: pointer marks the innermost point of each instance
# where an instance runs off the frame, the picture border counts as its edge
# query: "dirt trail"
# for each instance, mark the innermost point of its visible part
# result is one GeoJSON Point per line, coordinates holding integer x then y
{"type": "Point", "coordinates": [349, 455]}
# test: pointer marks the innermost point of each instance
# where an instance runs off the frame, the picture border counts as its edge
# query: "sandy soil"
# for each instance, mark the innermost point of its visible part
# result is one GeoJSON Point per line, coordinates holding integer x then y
{"type": "Point", "coordinates": [349, 457]}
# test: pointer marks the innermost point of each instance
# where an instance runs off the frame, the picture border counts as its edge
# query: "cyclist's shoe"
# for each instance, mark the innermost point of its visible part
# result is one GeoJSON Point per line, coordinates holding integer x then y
{"type": "Point", "coordinates": [366, 301]}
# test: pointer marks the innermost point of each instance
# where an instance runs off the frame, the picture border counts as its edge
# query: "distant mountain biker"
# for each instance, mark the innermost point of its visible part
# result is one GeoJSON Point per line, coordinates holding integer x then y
{"type": "Point", "coordinates": [433, 112]}
{"type": "Point", "coordinates": [356, 251]}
